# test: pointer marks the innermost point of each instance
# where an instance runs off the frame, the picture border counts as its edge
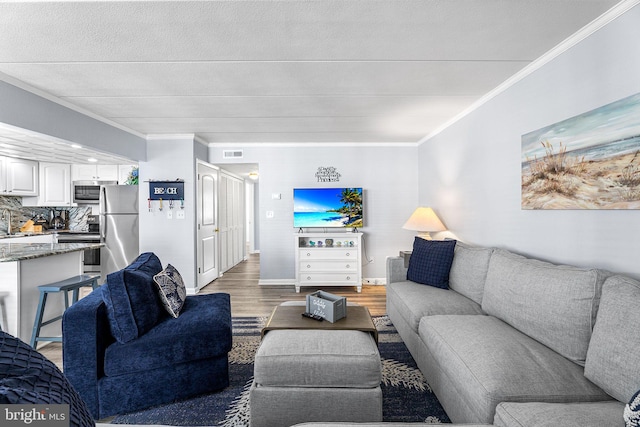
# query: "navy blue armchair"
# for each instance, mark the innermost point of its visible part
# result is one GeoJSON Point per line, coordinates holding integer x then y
{"type": "Point", "coordinates": [123, 352]}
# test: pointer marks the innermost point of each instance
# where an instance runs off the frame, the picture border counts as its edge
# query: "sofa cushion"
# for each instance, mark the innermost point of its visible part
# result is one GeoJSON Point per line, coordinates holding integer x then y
{"type": "Point", "coordinates": [414, 301]}
{"type": "Point", "coordinates": [171, 290]}
{"type": "Point", "coordinates": [430, 262]}
{"type": "Point", "coordinates": [554, 304]}
{"type": "Point", "coordinates": [202, 331]}
{"type": "Point", "coordinates": [613, 360]}
{"type": "Point", "coordinates": [27, 377]}
{"type": "Point", "coordinates": [133, 304]}
{"type": "Point", "coordinates": [469, 270]}
{"type": "Point", "coordinates": [488, 362]}
{"type": "Point", "coordinates": [583, 414]}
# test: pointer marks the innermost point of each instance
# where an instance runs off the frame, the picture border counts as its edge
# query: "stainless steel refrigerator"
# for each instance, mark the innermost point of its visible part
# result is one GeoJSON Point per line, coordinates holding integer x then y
{"type": "Point", "coordinates": [118, 227]}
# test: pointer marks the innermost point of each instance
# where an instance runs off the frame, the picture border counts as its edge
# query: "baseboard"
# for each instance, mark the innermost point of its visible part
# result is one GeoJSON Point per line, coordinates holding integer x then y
{"type": "Point", "coordinates": [277, 282]}
{"type": "Point", "coordinates": [372, 281]}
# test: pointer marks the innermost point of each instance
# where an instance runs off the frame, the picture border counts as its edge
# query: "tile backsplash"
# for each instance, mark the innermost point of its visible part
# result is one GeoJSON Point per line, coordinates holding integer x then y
{"type": "Point", "coordinates": [77, 215]}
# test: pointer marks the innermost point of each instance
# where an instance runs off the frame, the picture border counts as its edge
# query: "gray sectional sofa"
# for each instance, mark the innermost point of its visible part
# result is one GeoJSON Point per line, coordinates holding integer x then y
{"type": "Point", "coordinates": [517, 341]}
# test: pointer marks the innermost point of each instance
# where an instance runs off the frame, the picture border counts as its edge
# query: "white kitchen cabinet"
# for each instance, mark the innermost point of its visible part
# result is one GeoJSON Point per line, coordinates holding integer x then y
{"type": "Point", "coordinates": [123, 173]}
{"type": "Point", "coordinates": [19, 177]}
{"type": "Point", "coordinates": [55, 186]}
{"type": "Point", "coordinates": [94, 172]}
{"type": "Point", "coordinates": [328, 259]}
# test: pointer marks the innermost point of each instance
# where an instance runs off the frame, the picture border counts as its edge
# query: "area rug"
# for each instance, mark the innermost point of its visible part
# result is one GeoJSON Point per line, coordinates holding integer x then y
{"type": "Point", "coordinates": [406, 395]}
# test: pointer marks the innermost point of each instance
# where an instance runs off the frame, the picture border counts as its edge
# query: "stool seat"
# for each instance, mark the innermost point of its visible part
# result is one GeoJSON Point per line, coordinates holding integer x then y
{"type": "Point", "coordinates": [71, 284]}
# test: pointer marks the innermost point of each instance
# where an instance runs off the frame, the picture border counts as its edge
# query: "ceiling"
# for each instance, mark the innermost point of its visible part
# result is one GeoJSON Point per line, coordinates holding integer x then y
{"type": "Point", "coordinates": [302, 72]}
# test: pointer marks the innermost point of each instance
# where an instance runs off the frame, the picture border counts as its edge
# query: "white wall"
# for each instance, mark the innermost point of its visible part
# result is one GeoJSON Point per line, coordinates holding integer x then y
{"type": "Point", "coordinates": [388, 176]}
{"type": "Point", "coordinates": [173, 240]}
{"type": "Point", "coordinates": [470, 172]}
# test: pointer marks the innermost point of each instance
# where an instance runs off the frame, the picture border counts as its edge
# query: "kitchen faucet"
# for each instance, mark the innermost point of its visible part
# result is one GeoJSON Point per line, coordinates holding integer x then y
{"type": "Point", "coordinates": [6, 215]}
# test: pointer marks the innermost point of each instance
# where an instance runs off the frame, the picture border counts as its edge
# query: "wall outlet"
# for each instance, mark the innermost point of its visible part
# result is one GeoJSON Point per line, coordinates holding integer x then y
{"type": "Point", "coordinates": [180, 214]}
{"type": "Point", "coordinates": [269, 214]}
{"type": "Point", "coordinates": [169, 214]}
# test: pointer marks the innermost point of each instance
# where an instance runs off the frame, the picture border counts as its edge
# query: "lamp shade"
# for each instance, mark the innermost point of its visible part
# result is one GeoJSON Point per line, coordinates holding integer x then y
{"type": "Point", "coordinates": [424, 220]}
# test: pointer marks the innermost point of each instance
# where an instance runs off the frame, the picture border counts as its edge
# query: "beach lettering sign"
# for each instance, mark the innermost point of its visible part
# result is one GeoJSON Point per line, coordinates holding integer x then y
{"type": "Point", "coordinates": [328, 174]}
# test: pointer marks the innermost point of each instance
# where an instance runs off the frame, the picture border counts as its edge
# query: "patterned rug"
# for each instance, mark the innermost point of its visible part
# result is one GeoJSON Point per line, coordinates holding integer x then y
{"type": "Point", "coordinates": [406, 395]}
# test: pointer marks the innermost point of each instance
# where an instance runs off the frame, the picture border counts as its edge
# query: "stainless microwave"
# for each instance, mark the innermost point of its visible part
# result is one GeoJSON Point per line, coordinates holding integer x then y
{"type": "Point", "coordinates": [85, 192]}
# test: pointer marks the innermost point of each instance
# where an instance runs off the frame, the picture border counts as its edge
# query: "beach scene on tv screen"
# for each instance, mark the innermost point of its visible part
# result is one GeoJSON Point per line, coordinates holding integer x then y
{"type": "Point", "coordinates": [327, 207]}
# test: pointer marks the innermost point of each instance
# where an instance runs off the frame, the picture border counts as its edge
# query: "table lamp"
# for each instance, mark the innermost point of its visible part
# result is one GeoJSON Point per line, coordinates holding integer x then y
{"type": "Point", "coordinates": [424, 220]}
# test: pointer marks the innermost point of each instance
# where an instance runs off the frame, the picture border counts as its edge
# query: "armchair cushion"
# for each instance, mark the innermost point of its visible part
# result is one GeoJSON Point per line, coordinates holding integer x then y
{"type": "Point", "coordinates": [133, 304]}
{"type": "Point", "coordinates": [202, 331]}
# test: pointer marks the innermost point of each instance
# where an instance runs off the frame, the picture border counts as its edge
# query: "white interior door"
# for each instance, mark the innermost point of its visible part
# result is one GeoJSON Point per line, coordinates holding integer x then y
{"type": "Point", "coordinates": [208, 255]}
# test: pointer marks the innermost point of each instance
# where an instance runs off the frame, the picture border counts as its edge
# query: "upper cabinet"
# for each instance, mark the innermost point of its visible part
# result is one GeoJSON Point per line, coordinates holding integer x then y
{"type": "Point", "coordinates": [55, 186]}
{"type": "Point", "coordinates": [18, 177]}
{"type": "Point", "coordinates": [94, 172]}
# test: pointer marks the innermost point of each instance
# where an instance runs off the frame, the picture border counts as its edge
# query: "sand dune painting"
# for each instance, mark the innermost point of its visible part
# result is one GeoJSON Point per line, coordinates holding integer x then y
{"type": "Point", "coordinates": [590, 161]}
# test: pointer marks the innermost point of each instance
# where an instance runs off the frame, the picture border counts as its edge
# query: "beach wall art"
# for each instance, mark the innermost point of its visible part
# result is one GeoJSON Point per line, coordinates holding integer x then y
{"type": "Point", "coordinates": [590, 161]}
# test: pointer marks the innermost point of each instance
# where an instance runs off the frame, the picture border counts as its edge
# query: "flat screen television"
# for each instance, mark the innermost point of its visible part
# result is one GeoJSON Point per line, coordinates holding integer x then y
{"type": "Point", "coordinates": [327, 208]}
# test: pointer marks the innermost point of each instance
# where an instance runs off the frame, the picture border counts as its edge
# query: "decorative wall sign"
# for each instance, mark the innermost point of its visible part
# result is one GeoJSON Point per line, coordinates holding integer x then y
{"type": "Point", "coordinates": [590, 161]}
{"type": "Point", "coordinates": [328, 174]}
{"type": "Point", "coordinates": [166, 190]}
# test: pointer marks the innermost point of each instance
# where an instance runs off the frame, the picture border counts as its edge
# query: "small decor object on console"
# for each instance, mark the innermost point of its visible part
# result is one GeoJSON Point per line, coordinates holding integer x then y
{"type": "Point", "coordinates": [172, 290]}
{"type": "Point", "coordinates": [328, 306]}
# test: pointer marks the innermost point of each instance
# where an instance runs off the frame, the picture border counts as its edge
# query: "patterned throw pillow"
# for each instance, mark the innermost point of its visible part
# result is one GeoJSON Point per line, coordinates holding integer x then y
{"type": "Point", "coordinates": [172, 289]}
{"type": "Point", "coordinates": [431, 261]}
{"type": "Point", "coordinates": [632, 411]}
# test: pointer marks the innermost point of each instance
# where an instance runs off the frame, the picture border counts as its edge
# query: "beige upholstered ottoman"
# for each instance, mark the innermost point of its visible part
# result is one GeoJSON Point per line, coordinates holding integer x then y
{"type": "Point", "coordinates": [316, 375]}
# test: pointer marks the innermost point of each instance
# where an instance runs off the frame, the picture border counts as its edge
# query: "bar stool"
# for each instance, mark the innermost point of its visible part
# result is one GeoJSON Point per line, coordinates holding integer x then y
{"type": "Point", "coordinates": [71, 284]}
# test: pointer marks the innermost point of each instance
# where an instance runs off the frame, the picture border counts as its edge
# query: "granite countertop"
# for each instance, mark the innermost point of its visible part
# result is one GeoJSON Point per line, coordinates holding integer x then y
{"type": "Point", "coordinates": [10, 252]}
{"type": "Point", "coordinates": [42, 233]}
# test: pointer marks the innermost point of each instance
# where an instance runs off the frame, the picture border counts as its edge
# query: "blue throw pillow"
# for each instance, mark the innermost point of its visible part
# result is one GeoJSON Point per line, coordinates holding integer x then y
{"type": "Point", "coordinates": [632, 411]}
{"type": "Point", "coordinates": [431, 261]}
{"type": "Point", "coordinates": [133, 305]}
{"type": "Point", "coordinates": [27, 377]}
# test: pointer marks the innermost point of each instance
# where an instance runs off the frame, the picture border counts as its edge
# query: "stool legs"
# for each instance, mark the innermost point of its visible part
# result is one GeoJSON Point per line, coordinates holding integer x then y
{"type": "Point", "coordinates": [37, 324]}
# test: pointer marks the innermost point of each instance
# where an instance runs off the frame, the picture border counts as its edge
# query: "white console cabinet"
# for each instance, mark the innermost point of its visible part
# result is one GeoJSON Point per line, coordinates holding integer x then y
{"type": "Point", "coordinates": [328, 259]}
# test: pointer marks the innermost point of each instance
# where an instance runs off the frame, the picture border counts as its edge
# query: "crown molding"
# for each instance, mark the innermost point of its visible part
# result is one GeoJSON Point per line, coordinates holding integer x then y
{"type": "Point", "coordinates": [309, 144]}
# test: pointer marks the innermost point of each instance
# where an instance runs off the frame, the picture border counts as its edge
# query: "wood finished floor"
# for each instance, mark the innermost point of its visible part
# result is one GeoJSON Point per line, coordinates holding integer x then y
{"type": "Point", "coordinates": [250, 299]}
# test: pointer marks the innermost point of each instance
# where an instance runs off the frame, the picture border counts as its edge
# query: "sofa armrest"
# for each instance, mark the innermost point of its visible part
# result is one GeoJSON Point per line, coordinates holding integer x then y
{"type": "Point", "coordinates": [85, 337]}
{"type": "Point", "coordinates": [396, 271]}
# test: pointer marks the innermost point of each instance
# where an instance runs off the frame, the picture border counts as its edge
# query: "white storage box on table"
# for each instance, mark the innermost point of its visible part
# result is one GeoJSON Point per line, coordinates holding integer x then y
{"type": "Point", "coordinates": [328, 306]}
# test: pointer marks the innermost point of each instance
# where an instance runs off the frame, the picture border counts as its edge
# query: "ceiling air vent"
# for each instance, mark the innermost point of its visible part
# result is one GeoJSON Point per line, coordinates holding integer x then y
{"type": "Point", "coordinates": [232, 154]}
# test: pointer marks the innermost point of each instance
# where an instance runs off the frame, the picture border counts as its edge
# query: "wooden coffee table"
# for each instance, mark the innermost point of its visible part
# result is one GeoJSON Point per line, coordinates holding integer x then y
{"type": "Point", "coordinates": [290, 317]}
